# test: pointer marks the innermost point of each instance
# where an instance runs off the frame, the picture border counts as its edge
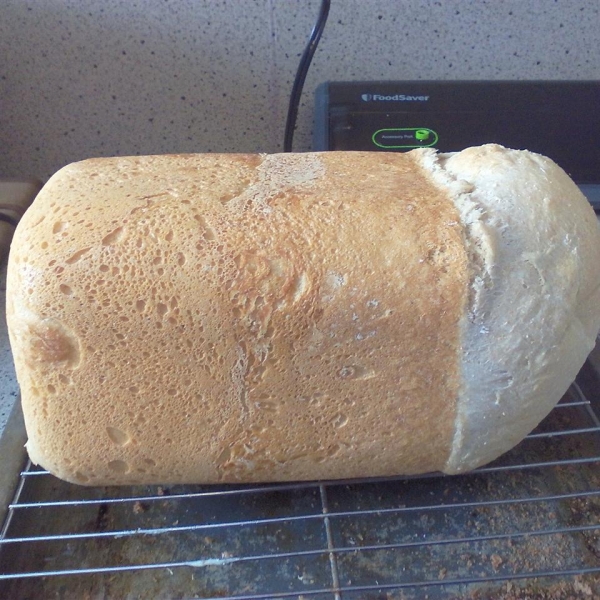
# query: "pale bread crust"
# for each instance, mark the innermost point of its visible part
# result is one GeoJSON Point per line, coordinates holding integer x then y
{"type": "Point", "coordinates": [213, 318]}
{"type": "Point", "coordinates": [534, 310]}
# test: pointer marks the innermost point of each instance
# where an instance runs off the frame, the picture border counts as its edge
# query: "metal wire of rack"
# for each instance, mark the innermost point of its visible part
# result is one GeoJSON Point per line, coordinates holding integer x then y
{"type": "Point", "coordinates": [528, 522]}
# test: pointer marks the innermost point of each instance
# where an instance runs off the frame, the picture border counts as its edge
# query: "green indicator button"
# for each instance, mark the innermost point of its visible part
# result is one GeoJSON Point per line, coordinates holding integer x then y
{"type": "Point", "coordinates": [405, 137]}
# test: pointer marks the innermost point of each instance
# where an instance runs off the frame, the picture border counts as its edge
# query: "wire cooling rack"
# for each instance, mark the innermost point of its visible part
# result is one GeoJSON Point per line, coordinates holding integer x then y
{"type": "Point", "coordinates": [527, 524]}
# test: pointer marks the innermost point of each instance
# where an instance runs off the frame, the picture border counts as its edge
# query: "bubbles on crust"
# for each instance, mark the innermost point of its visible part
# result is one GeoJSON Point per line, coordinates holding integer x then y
{"type": "Point", "coordinates": [77, 256]}
{"type": "Point", "coordinates": [208, 335]}
{"type": "Point", "coordinates": [118, 436]}
{"type": "Point", "coordinates": [113, 237]}
{"type": "Point", "coordinates": [120, 467]}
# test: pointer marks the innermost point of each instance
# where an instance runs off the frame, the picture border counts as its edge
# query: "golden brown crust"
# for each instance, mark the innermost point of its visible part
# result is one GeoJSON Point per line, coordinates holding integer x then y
{"type": "Point", "coordinates": [205, 318]}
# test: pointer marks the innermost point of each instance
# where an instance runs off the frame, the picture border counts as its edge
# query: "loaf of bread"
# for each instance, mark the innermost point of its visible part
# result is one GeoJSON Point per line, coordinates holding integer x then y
{"type": "Point", "coordinates": [244, 318]}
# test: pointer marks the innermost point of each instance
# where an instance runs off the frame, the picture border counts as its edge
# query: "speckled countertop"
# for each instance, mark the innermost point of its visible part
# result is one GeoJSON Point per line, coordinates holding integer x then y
{"type": "Point", "coordinates": [81, 78]}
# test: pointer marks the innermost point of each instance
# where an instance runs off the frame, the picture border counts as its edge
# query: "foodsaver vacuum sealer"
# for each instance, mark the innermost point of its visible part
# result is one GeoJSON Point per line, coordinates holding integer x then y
{"type": "Point", "coordinates": [560, 119]}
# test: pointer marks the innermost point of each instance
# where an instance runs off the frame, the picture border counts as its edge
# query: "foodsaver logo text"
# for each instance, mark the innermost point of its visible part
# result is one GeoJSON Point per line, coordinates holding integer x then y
{"type": "Point", "coordinates": [393, 98]}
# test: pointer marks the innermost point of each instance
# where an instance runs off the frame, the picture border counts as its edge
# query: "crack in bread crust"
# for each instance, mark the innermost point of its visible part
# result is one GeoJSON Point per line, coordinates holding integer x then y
{"type": "Point", "coordinates": [533, 316]}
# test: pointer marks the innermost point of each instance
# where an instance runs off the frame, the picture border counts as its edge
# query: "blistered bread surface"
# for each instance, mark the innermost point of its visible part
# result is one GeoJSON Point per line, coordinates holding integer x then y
{"type": "Point", "coordinates": [218, 318]}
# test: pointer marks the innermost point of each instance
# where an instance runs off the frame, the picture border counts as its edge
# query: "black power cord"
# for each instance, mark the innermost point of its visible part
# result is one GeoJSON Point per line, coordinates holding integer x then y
{"type": "Point", "coordinates": [305, 61]}
{"type": "Point", "coordinates": [8, 219]}
{"type": "Point", "coordinates": [14, 208]}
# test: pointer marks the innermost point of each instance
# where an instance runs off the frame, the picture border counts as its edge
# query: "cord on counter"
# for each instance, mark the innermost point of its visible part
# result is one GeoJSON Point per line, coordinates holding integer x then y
{"type": "Point", "coordinates": [305, 61]}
